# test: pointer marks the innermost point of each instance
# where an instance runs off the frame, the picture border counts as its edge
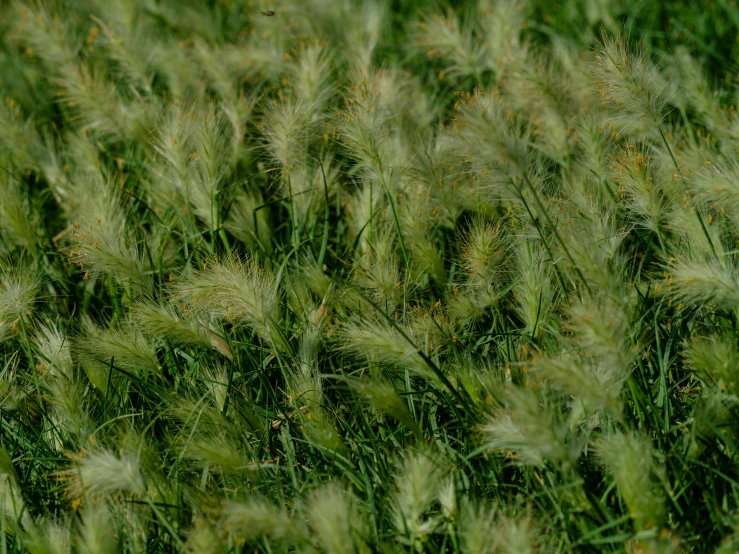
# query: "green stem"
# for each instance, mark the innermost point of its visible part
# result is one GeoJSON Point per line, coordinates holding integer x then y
{"type": "Point", "coordinates": [166, 523]}
{"type": "Point", "coordinates": [395, 214]}
{"type": "Point", "coordinates": [324, 242]}
{"type": "Point", "coordinates": [293, 215]}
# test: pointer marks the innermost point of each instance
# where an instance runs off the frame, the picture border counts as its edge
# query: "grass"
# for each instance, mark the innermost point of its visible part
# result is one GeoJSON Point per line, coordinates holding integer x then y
{"type": "Point", "coordinates": [356, 277]}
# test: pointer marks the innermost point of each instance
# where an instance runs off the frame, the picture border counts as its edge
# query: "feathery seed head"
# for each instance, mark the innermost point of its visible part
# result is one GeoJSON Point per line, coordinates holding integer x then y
{"type": "Point", "coordinates": [221, 454]}
{"type": "Point", "coordinates": [533, 292]}
{"type": "Point", "coordinates": [477, 529]}
{"type": "Point", "coordinates": [11, 500]}
{"type": "Point", "coordinates": [97, 532]}
{"type": "Point", "coordinates": [17, 219]}
{"type": "Point", "coordinates": [125, 346]}
{"type": "Point", "coordinates": [54, 348]}
{"type": "Point", "coordinates": [203, 539]}
{"type": "Point", "coordinates": [706, 283]}
{"type": "Point", "coordinates": [379, 271]}
{"type": "Point", "coordinates": [334, 518]}
{"type": "Point", "coordinates": [240, 292]}
{"type": "Point", "coordinates": [284, 129]}
{"type": "Point", "coordinates": [381, 395]}
{"type": "Point", "coordinates": [630, 81]}
{"type": "Point", "coordinates": [417, 482]}
{"type": "Point", "coordinates": [101, 473]}
{"type": "Point", "coordinates": [311, 74]}
{"type": "Point", "coordinates": [98, 104]}
{"type": "Point", "coordinates": [255, 518]}
{"type": "Point", "coordinates": [528, 433]}
{"type": "Point", "coordinates": [602, 330]}
{"type": "Point", "coordinates": [712, 421]}
{"type": "Point", "coordinates": [377, 341]}
{"type": "Point", "coordinates": [629, 459]}
{"type": "Point", "coordinates": [647, 196]}
{"type": "Point", "coordinates": [715, 359]}
{"type": "Point", "coordinates": [490, 137]}
{"type": "Point", "coordinates": [22, 145]}
{"type": "Point", "coordinates": [50, 537]}
{"type": "Point", "coordinates": [442, 38]}
{"type": "Point", "coordinates": [483, 252]}
{"type": "Point", "coordinates": [502, 24]}
{"type": "Point", "coordinates": [167, 321]}
{"type": "Point", "coordinates": [543, 90]}
{"type": "Point", "coordinates": [516, 535]}
{"type": "Point", "coordinates": [18, 290]}
{"type": "Point", "coordinates": [249, 221]}
{"type": "Point", "coordinates": [102, 241]}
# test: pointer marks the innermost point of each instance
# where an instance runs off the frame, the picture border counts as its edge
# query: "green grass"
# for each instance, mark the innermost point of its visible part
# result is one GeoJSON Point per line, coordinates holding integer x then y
{"type": "Point", "coordinates": [369, 276]}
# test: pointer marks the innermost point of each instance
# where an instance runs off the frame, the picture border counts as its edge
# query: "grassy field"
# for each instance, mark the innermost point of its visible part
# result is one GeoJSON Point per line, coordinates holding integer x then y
{"type": "Point", "coordinates": [351, 277]}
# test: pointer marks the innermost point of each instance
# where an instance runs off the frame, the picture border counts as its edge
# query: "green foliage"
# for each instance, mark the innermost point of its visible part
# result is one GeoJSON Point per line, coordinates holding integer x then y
{"type": "Point", "coordinates": [354, 276]}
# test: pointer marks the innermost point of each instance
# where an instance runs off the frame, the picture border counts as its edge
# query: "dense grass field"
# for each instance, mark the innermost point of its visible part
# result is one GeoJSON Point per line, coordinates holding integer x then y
{"type": "Point", "coordinates": [350, 277]}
